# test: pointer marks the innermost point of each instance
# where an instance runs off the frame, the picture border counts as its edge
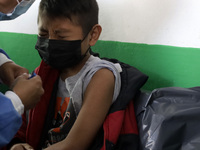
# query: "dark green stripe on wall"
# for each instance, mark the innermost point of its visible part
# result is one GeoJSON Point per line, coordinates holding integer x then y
{"type": "Point", "coordinates": [165, 65]}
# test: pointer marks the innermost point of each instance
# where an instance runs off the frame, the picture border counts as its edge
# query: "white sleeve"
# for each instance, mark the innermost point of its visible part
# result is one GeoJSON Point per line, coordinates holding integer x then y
{"type": "Point", "coordinates": [17, 103]}
{"type": "Point", "coordinates": [4, 59]}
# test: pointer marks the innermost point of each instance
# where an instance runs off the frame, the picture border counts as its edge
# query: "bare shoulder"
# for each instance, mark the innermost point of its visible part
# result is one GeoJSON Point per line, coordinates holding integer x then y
{"type": "Point", "coordinates": [104, 74]}
{"type": "Point", "coordinates": [101, 85]}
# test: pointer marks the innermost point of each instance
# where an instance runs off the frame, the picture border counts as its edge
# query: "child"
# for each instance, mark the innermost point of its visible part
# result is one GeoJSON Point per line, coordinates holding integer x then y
{"type": "Point", "coordinates": [87, 86]}
{"type": "Point", "coordinates": [79, 88]}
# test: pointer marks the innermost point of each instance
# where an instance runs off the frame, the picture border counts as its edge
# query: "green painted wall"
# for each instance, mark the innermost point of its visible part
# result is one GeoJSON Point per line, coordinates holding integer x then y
{"type": "Point", "coordinates": [165, 65]}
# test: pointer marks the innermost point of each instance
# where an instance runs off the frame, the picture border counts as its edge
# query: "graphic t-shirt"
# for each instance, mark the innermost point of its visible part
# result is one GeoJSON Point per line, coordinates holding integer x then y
{"type": "Point", "coordinates": [70, 95]}
{"type": "Point", "coordinates": [64, 116]}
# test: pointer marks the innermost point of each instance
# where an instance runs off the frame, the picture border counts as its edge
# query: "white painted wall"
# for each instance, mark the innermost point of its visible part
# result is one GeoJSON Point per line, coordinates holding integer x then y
{"type": "Point", "coordinates": [163, 22]}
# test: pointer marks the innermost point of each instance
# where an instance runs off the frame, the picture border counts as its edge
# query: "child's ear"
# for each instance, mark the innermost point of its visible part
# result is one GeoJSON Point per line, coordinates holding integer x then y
{"type": "Point", "coordinates": [94, 34]}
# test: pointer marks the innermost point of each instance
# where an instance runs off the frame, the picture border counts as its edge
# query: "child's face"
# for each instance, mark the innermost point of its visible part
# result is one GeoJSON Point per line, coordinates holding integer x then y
{"type": "Point", "coordinates": [59, 29]}
{"type": "Point", "coordinates": [67, 35]}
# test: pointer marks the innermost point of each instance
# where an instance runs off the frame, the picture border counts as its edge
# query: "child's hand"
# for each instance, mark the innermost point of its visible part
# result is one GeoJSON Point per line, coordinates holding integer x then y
{"type": "Point", "coordinates": [22, 146]}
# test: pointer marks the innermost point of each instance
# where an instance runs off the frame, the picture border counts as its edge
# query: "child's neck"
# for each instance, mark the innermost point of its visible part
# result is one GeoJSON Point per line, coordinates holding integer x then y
{"type": "Point", "coordinates": [73, 70]}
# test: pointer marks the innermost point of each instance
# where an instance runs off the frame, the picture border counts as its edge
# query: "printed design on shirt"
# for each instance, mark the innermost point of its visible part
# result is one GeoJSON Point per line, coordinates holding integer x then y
{"type": "Point", "coordinates": [63, 120]}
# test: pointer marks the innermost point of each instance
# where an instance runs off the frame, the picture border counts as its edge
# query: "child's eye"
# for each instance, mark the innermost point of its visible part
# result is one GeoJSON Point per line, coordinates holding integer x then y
{"type": "Point", "coordinates": [61, 37]}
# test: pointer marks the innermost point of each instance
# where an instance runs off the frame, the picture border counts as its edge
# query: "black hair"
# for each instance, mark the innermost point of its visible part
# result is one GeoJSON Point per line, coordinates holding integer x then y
{"type": "Point", "coordinates": [82, 12]}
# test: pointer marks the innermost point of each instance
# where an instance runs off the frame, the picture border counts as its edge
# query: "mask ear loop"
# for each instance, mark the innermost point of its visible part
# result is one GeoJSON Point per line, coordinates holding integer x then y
{"type": "Point", "coordinates": [85, 36]}
{"type": "Point", "coordinates": [18, 1]}
{"type": "Point", "coordinates": [89, 48]}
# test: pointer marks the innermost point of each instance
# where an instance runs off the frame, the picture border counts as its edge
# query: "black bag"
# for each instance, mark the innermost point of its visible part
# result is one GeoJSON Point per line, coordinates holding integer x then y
{"type": "Point", "coordinates": [169, 119]}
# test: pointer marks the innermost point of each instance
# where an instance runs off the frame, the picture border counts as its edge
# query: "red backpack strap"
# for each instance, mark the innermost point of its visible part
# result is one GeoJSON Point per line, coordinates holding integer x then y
{"type": "Point", "coordinates": [38, 114]}
{"type": "Point", "coordinates": [120, 130]}
{"type": "Point", "coordinates": [129, 123]}
{"type": "Point", "coordinates": [112, 128]}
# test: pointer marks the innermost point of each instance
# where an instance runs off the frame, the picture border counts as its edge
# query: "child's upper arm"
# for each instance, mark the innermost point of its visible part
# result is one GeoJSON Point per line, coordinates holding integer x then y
{"type": "Point", "coordinates": [96, 103]}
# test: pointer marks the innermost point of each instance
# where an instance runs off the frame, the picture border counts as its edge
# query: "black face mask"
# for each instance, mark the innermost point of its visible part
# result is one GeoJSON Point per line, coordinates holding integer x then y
{"type": "Point", "coordinates": [60, 54]}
